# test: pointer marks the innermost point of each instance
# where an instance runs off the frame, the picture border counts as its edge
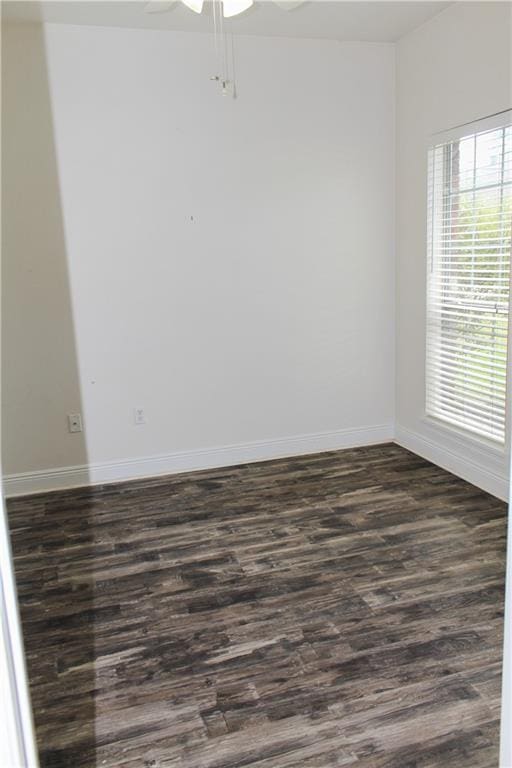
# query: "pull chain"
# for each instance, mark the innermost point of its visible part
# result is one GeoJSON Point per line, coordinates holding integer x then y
{"type": "Point", "coordinates": [222, 52]}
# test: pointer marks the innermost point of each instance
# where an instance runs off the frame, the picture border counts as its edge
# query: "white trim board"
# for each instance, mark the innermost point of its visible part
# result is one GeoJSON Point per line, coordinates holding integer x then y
{"type": "Point", "coordinates": [17, 740]}
{"type": "Point", "coordinates": [468, 469]}
{"type": "Point", "coordinates": [506, 700]}
{"type": "Point", "coordinates": [263, 450]}
{"type": "Point", "coordinates": [186, 461]}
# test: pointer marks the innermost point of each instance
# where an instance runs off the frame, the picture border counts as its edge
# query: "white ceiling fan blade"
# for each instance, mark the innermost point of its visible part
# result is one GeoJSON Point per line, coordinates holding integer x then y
{"type": "Point", "coordinates": [194, 5]}
{"type": "Point", "coordinates": [288, 5]}
{"type": "Point", "coordinates": [159, 6]}
{"type": "Point", "coordinates": [234, 7]}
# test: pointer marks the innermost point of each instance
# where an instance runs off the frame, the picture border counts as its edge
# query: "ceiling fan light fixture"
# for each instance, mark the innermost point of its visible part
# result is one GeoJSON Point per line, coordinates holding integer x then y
{"type": "Point", "coordinates": [194, 5]}
{"type": "Point", "coordinates": [234, 7]}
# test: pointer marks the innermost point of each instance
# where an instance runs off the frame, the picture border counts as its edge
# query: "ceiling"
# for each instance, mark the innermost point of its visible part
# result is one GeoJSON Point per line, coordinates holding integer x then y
{"type": "Point", "coordinates": [379, 21]}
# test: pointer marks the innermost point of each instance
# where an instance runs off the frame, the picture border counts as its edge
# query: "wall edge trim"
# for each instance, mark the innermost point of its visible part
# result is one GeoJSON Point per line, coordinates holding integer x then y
{"type": "Point", "coordinates": [492, 482]}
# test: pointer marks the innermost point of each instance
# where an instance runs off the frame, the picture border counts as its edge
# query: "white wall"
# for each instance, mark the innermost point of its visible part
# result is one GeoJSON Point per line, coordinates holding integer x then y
{"type": "Point", "coordinates": [453, 69]}
{"type": "Point", "coordinates": [228, 264]}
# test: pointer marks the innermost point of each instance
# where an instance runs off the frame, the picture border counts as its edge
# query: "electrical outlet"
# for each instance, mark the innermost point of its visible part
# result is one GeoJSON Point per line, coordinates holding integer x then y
{"type": "Point", "coordinates": [74, 422]}
{"type": "Point", "coordinates": [139, 416]}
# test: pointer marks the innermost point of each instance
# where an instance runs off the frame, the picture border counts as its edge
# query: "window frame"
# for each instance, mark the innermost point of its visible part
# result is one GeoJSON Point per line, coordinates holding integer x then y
{"type": "Point", "coordinates": [436, 218]}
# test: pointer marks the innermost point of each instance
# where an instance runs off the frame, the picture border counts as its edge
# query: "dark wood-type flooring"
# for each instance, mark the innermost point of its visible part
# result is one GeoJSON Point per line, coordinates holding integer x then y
{"type": "Point", "coordinates": [342, 609]}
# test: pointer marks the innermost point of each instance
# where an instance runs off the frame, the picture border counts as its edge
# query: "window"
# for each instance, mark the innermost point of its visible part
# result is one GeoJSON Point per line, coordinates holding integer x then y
{"type": "Point", "coordinates": [469, 240]}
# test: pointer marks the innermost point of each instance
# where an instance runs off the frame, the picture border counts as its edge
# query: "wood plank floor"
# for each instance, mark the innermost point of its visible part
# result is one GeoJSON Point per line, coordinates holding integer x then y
{"type": "Point", "coordinates": [342, 609]}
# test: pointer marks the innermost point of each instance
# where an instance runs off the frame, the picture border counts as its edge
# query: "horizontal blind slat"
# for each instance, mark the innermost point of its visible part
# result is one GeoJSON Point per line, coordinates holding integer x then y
{"type": "Point", "coordinates": [461, 423]}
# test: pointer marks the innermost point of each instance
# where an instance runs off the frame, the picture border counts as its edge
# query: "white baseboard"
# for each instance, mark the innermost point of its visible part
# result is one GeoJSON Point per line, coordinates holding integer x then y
{"type": "Point", "coordinates": [186, 461]}
{"type": "Point", "coordinates": [468, 468]}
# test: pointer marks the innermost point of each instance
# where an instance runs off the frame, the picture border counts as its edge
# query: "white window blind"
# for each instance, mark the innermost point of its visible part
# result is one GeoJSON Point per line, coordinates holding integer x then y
{"type": "Point", "coordinates": [469, 242]}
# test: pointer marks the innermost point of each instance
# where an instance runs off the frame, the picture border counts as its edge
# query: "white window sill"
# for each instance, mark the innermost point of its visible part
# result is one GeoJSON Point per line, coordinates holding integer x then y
{"type": "Point", "coordinates": [466, 437]}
